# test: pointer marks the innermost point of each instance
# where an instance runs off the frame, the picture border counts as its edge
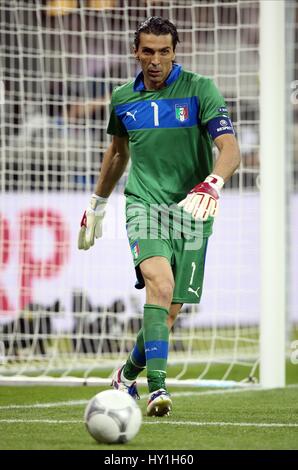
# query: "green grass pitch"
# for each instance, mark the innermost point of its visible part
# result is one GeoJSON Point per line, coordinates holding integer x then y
{"type": "Point", "coordinates": [52, 418]}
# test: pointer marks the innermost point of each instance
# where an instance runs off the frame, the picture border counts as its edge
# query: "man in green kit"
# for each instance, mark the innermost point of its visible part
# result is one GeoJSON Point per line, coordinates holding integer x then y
{"type": "Point", "coordinates": [166, 121]}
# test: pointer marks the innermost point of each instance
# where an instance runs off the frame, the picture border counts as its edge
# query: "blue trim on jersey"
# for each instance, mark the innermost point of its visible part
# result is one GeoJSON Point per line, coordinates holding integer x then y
{"type": "Point", "coordinates": [159, 114]}
{"type": "Point", "coordinates": [156, 350]}
{"type": "Point", "coordinates": [220, 125]}
{"type": "Point", "coordinates": [172, 77]}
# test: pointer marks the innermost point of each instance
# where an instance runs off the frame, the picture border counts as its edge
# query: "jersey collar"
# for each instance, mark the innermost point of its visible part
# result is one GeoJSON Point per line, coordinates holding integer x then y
{"type": "Point", "coordinates": [172, 77]}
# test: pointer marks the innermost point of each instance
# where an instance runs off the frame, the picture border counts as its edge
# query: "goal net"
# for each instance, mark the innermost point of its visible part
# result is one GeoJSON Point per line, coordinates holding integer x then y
{"type": "Point", "coordinates": [66, 313]}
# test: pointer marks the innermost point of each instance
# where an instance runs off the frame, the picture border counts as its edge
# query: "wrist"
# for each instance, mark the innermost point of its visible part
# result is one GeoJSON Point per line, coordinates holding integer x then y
{"type": "Point", "coordinates": [99, 198]}
{"type": "Point", "coordinates": [96, 200]}
{"type": "Point", "coordinates": [216, 182]}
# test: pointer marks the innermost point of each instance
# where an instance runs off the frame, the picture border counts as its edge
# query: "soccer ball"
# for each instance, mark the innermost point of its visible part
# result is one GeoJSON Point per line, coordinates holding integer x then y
{"type": "Point", "coordinates": [112, 416]}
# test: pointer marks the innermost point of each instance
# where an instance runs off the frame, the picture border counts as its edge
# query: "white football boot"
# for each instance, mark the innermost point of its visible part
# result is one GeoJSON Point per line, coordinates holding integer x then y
{"type": "Point", "coordinates": [121, 383]}
{"type": "Point", "coordinates": [159, 403]}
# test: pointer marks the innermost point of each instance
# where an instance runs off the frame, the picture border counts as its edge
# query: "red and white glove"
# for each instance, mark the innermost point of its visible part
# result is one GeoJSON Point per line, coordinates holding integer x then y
{"type": "Point", "coordinates": [91, 223]}
{"type": "Point", "coordinates": [201, 201]}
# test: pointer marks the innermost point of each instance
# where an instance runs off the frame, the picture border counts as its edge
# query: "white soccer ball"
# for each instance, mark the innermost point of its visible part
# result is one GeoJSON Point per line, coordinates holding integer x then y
{"type": "Point", "coordinates": [112, 416]}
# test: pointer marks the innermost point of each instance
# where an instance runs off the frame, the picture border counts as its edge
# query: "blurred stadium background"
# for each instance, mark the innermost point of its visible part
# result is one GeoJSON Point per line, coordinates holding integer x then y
{"type": "Point", "coordinates": [63, 311]}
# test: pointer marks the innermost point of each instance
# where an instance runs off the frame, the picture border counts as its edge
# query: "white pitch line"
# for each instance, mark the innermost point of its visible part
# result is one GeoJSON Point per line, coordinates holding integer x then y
{"type": "Point", "coordinates": [220, 423]}
{"type": "Point", "coordinates": [173, 423]}
{"type": "Point", "coordinates": [143, 396]}
{"type": "Point", "coordinates": [45, 405]}
{"type": "Point", "coordinates": [253, 388]}
{"type": "Point", "coordinates": [58, 404]}
{"type": "Point", "coordinates": [41, 421]}
{"type": "Point", "coordinates": [209, 392]}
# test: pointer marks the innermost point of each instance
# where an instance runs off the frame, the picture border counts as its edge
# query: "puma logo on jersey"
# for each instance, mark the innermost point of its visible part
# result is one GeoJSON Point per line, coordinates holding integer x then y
{"type": "Point", "coordinates": [190, 289]}
{"type": "Point", "coordinates": [128, 113]}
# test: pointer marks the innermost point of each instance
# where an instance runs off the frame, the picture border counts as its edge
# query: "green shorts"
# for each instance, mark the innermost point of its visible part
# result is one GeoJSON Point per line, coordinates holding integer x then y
{"type": "Point", "coordinates": [187, 258]}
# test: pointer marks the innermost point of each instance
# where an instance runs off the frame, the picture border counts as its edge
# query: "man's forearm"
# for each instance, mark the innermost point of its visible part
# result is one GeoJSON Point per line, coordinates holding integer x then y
{"type": "Point", "coordinates": [113, 167]}
{"type": "Point", "coordinates": [228, 160]}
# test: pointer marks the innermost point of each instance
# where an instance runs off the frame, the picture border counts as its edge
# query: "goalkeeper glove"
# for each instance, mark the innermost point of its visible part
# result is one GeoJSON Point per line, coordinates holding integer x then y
{"type": "Point", "coordinates": [201, 201]}
{"type": "Point", "coordinates": [91, 223]}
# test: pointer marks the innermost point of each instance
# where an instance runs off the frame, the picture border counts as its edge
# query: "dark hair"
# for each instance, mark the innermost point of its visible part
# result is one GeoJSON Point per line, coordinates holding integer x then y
{"type": "Point", "coordinates": [158, 26]}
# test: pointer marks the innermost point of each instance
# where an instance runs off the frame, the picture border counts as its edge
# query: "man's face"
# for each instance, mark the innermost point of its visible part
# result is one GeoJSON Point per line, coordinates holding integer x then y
{"type": "Point", "coordinates": [156, 56]}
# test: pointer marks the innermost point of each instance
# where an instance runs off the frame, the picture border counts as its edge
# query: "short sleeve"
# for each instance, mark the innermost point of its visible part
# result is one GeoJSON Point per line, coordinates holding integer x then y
{"type": "Point", "coordinates": [115, 126]}
{"type": "Point", "coordinates": [213, 110]}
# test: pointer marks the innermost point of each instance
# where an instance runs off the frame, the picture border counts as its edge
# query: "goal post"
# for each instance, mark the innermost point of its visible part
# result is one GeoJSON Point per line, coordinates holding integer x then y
{"type": "Point", "coordinates": [273, 171]}
{"type": "Point", "coordinates": [71, 317]}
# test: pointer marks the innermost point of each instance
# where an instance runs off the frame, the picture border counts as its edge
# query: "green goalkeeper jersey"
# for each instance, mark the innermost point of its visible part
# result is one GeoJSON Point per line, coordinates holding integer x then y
{"type": "Point", "coordinates": [170, 134]}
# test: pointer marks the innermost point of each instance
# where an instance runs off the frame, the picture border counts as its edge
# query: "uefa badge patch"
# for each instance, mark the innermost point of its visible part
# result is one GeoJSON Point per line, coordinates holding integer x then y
{"type": "Point", "coordinates": [181, 111]}
{"type": "Point", "coordinates": [135, 249]}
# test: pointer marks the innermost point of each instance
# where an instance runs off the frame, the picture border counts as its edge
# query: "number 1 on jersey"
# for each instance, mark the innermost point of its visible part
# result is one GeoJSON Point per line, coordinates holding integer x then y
{"type": "Point", "coordinates": [193, 266]}
{"type": "Point", "coordinates": [155, 113]}
{"type": "Point", "coordinates": [190, 289]}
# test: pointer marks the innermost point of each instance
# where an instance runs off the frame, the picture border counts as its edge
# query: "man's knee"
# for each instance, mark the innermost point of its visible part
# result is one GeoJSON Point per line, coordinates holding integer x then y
{"type": "Point", "coordinates": [159, 290]}
{"type": "Point", "coordinates": [159, 281]}
{"type": "Point", "coordinates": [163, 289]}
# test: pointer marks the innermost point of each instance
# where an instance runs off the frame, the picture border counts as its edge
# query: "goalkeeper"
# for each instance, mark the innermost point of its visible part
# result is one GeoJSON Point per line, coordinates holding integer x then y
{"type": "Point", "coordinates": [165, 121]}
